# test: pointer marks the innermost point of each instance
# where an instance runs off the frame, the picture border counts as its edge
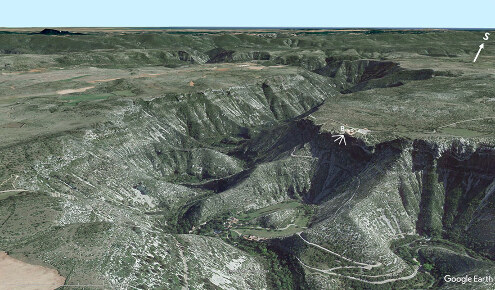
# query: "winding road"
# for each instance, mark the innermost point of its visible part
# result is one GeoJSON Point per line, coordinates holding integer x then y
{"type": "Point", "coordinates": [301, 156]}
{"type": "Point", "coordinates": [463, 121]}
{"type": "Point", "coordinates": [361, 266]}
{"type": "Point", "coordinates": [13, 185]}
{"type": "Point", "coordinates": [365, 266]}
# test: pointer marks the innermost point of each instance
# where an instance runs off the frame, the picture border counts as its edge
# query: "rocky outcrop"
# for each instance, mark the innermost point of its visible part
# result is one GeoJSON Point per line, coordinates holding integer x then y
{"type": "Point", "coordinates": [359, 75]}
{"type": "Point", "coordinates": [48, 31]}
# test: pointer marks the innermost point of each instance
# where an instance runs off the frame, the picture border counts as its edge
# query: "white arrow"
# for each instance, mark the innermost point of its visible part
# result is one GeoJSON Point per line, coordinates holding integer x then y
{"type": "Point", "coordinates": [340, 138]}
{"type": "Point", "coordinates": [479, 50]}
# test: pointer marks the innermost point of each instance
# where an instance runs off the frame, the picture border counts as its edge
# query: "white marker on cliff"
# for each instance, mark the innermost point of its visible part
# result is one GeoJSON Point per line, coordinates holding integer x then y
{"type": "Point", "coordinates": [340, 138]}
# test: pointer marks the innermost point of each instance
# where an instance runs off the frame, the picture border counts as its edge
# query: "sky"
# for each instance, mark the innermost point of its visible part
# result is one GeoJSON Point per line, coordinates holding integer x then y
{"type": "Point", "coordinates": [253, 13]}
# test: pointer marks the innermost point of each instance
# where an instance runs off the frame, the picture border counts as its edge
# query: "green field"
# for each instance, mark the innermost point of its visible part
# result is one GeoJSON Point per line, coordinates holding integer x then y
{"type": "Point", "coordinates": [75, 99]}
{"type": "Point", "coordinates": [297, 223]}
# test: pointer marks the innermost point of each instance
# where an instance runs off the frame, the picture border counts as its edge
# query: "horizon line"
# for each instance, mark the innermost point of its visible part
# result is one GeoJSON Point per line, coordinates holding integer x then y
{"type": "Point", "coordinates": [256, 27]}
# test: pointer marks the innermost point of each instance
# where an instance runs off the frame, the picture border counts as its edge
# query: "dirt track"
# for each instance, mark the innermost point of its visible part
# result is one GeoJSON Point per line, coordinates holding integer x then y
{"type": "Point", "coordinates": [70, 91]}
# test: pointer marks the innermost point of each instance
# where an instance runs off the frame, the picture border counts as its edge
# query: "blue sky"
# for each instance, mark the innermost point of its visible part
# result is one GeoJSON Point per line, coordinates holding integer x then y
{"type": "Point", "coordinates": [254, 13]}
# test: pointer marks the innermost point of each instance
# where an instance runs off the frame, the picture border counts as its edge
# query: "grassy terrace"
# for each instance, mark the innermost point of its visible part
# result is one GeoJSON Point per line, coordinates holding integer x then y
{"type": "Point", "coordinates": [297, 222]}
